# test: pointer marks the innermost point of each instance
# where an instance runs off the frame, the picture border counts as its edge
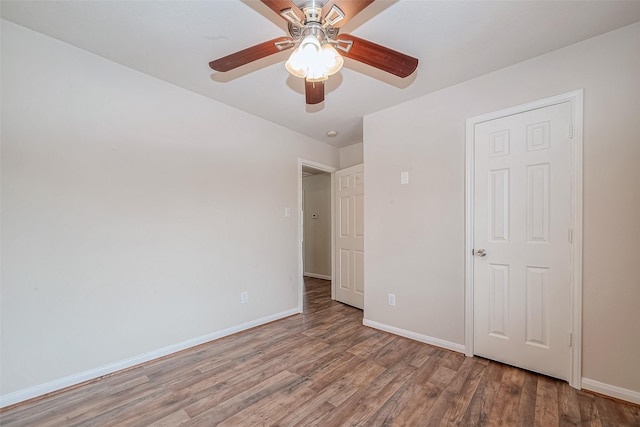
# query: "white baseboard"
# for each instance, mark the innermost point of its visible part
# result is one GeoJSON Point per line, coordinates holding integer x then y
{"type": "Point", "coordinates": [611, 390]}
{"type": "Point", "coordinates": [318, 276]}
{"type": "Point", "coordinates": [415, 336]}
{"type": "Point", "coordinates": [60, 383]}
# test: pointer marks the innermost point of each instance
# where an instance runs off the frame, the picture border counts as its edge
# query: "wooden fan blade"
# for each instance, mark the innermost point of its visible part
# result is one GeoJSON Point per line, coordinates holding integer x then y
{"type": "Point", "coordinates": [314, 92]}
{"type": "Point", "coordinates": [251, 54]}
{"type": "Point", "coordinates": [279, 5]}
{"type": "Point", "coordinates": [350, 8]}
{"type": "Point", "coordinates": [378, 56]}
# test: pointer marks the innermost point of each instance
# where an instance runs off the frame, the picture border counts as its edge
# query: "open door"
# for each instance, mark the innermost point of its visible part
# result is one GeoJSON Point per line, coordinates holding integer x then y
{"type": "Point", "coordinates": [349, 236]}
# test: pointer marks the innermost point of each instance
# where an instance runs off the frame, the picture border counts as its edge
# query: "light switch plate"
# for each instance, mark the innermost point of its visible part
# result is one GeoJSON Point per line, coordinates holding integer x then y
{"type": "Point", "coordinates": [404, 177]}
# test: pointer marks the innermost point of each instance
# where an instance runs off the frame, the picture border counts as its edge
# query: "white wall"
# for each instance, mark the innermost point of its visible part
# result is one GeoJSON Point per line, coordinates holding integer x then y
{"type": "Point", "coordinates": [317, 231]}
{"type": "Point", "coordinates": [420, 226]}
{"type": "Point", "coordinates": [131, 216]}
{"type": "Point", "coordinates": [351, 155]}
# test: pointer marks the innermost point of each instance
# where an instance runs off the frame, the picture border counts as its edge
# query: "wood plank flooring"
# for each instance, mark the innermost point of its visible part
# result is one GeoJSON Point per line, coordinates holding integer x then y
{"type": "Point", "coordinates": [322, 368]}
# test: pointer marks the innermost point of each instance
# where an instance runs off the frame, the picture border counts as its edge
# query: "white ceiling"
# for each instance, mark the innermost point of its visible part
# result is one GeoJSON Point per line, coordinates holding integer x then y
{"type": "Point", "coordinates": [454, 41]}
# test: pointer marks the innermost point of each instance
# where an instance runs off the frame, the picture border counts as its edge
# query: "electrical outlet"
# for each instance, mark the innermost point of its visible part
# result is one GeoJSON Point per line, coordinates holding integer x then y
{"type": "Point", "coordinates": [392, 299]}
{"type": "Point", "coordinates": [244, 297]}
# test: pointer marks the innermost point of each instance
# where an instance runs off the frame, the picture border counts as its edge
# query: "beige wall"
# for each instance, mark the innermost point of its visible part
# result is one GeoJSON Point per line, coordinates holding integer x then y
{"type": "Point", "coordinates": [351, 155]}
{"type": "Point", "coordinates": [131, 217]}
{"type": "Point", "coordinates": [317, 231]}
{"type": "Point", "coordinates": [414, 240]}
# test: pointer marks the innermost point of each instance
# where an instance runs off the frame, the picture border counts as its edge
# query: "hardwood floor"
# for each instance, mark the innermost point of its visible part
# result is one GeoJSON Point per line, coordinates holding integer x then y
{"type": "Point", "coordinates": [322, 368]}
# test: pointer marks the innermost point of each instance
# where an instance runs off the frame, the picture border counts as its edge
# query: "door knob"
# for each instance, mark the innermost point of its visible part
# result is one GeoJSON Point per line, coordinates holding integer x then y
{"type": "Point", "coordinates": [481, 252]}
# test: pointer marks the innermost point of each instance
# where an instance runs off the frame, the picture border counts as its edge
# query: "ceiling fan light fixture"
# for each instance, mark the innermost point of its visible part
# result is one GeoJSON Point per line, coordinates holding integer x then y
{"type": "Point", "coordinates": [313, 61]}
{"type": "Point", "coordinates": [294, 65]}
{"type": "Point", "coordinates": [332, 59]}
{"type": "Point", "coordinates": [310, 44]}
{"type": "Point", "coordinates": [316, 77]}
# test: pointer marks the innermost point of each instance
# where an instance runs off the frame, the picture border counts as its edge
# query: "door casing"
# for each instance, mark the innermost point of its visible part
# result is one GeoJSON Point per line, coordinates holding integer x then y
{"type": "Point", "coordinates": [576, 100]}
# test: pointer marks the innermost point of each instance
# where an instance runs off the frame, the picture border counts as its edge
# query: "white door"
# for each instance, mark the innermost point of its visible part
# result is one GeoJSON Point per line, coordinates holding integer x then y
{"type": "Point", "coordinates": [522, 219]}
{"type": "Point", "coordinates": [349, 229]}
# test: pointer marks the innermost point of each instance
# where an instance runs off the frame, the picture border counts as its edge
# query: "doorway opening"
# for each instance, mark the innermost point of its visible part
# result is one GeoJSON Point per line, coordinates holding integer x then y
{"type": "Point", "coordinates": [316, 224]}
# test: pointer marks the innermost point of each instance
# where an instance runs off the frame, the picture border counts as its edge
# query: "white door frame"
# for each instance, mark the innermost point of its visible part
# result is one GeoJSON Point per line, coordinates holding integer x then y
{"type": "Point", "coordinates": [331, 170]}
{"type": "Point", "coordinates": [575, 323]}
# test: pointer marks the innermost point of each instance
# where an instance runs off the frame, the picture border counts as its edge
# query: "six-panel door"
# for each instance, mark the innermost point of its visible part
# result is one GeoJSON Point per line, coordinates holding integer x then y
{"type": "Point", "coordinates": [349, 265]}
{"type": "Point", "coordinates": [522, 219]}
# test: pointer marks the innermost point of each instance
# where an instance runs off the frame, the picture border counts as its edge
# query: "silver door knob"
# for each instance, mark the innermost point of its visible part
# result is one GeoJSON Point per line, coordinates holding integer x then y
{"type": "Point", "coordinates": [481, 252]}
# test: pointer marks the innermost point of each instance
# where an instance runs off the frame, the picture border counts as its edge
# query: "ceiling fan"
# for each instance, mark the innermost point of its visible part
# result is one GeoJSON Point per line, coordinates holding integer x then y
{"type": "Point", "coordinates": [314, 33]}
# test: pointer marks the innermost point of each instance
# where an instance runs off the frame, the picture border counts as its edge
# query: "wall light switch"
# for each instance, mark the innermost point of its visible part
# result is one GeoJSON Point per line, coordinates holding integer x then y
{"type": "Point", "coordinates": [287, 212]}
{"type": "Point", "coordinates": [404, 177]}
{"type": "Point", "coordinates": [392, 299]}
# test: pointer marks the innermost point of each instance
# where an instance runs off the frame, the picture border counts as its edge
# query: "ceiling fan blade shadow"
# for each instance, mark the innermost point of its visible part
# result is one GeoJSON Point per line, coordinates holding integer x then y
{"type": "Point", "coordinates": [377, 74]}
{"type": "Point", "coordinates": [314, 92]}
{"type": "Point", "coordinates": [279, 5]}
{"type": "Point", "coordinates": [350, 8]}
{"type": "Point", "coordinates": [254, 66]}
{"type": "Point", "coordinates": [378, 56]}
{"type": "Point", "coordinates": [251, 54]}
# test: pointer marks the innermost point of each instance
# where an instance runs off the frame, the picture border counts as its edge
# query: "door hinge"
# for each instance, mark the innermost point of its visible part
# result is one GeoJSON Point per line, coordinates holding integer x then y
{"type": "Point", "coordinates": [570, 235]}
{"type": "Point", "coordinates": [570, 339]}
{"type": "Point", "coordinates": [473, 251]}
